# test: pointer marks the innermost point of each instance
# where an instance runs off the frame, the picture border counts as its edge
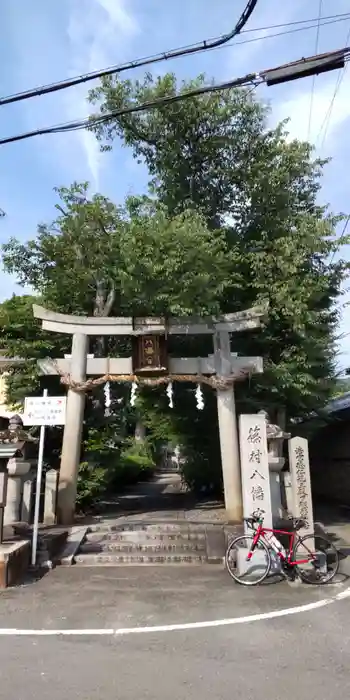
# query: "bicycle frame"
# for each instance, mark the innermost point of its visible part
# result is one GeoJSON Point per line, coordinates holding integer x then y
{"type": "Point", "coordinates": [293, 538]}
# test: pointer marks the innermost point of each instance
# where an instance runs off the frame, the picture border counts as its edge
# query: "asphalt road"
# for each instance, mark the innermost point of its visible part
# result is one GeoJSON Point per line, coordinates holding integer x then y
{"type": "Point", "coordinates": [304, 655]}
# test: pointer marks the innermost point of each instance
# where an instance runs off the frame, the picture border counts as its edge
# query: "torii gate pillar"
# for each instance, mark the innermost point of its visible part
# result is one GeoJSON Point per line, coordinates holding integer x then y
{"type": "Point", "coordinates": [229, 442]}
{"type": "Point", "coordinates": [71, 446]}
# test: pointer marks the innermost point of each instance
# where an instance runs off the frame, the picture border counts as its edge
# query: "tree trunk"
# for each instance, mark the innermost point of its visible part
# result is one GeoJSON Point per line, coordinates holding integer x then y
{"type": "Point", "coordinates": [140, 431]}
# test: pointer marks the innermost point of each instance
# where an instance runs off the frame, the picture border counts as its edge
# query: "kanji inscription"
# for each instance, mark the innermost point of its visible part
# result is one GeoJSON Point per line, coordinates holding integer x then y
{"type": "Point", "coordinates": [254, 466]}
{"type": "Point", "coordinates": [301, 485]}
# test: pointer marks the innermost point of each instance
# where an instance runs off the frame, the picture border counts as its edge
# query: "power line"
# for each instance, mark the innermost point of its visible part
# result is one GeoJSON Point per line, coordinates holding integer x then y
{"type": "Point", "coordinates": [205, 45]}
{"type": "Point", "coordinates": [326, 122]}
{"type": "Point", "coordinates": [314, 77]}
{"type": "Point", "coordinates": [291, 71]}
{"type": "Point", "coordinates": [273, 36]}
{"type": "Point", "coordinates": [157, 58]}
{"type": "Point", "coordinates": [327, 119]}
{"type": "Point", "coordinates": [342, 236]}
{"type": "Point", "coordinates": [295, 22]}
{"type": "Point", "coordinates": [88, 121]}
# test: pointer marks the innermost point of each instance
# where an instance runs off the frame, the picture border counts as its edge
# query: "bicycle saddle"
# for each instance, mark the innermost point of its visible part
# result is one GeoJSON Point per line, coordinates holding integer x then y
{"type": "Point", "coordinates": [298, 523]}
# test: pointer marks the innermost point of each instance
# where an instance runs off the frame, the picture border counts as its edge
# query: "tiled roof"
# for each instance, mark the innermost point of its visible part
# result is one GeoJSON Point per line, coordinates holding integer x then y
{"type": "Point", "coordinates": [339, 404]}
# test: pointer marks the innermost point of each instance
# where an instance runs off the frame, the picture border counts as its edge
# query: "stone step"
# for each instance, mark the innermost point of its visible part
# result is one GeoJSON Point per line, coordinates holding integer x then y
{"type": "Point", "coordinates": [146, 536]}
{"type": "Point", "coordinates": [157, 527]}
{"type": "Point", "coordinates": [139, 548]}
{"type": "Point", "coordinates": [108, 559]}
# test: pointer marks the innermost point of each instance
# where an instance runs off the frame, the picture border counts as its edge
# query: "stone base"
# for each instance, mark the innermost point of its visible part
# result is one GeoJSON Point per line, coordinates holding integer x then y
{"type": "Point", "coordinates": [51, 541]}
{"type": "Point", "coordinates": [257, 564]}
{"type": "Point", "coordinates": [14, 562]}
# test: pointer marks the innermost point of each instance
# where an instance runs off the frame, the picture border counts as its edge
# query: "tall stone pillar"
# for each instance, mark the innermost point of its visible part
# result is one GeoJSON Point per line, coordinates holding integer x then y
{"type": "Point", "coordinates": [229, 443]}
{"type": "Point", "coordinates": [71, 447]}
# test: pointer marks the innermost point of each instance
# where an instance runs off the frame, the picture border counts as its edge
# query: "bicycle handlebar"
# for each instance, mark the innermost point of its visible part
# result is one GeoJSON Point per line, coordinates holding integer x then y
{"type": "Point", "coordinates": [256, 517]}
{"type": "Point", "coordinates": [258, 514]}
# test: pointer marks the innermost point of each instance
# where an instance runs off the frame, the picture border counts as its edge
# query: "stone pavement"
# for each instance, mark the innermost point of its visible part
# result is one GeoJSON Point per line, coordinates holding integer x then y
{"type": "Point", "coordinates": [162, 498]}
{"type": "Point", "coordinates": [307, 653]}
{"type": "Point", "coordinates": [131, 596]}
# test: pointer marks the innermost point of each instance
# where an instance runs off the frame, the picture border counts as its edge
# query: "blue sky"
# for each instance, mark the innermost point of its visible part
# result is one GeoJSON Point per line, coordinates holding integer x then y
{"type": "Point", "coordinates": [45, 41]}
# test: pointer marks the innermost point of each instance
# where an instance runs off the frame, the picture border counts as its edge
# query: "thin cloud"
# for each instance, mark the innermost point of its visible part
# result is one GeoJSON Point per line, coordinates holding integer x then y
{"type": "Point", "coordinates": [330, 112]}
{"type": "Point", "coordinates": [98, 34]}
{"type": "Point", "coordinates": [119, 16]}
{"type": "Point", "coordinates": [246, 56]}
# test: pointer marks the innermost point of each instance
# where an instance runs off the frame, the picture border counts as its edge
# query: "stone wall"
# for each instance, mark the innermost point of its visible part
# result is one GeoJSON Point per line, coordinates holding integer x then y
{"type": "Point", "coordinates": [14, 562]}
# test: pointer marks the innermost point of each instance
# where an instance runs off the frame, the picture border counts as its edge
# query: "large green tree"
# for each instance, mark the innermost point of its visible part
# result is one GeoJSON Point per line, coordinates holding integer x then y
{"type": "Point", "coordinates": [98, 259]}
{"type": "Point", "coordinates": [215, 153]}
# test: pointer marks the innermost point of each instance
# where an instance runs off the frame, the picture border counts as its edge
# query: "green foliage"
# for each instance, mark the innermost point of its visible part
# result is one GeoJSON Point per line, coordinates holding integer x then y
{"type": "Point", "coordinates": [22, 337]}
{"type": "Point", "coordinates": [171, 265]}
{"type": "Point", "coordinates": [215, 153]}
{"type": "Point", "coordinates": [91, 485]}
{"type": "Point", "coordinates": [136, 460]}
{"type": "Point", "coordinates": [202, 476]}
{"type": "Point", "coordinates": [197, 152]}
{"type": "Point", "coordinates": [97, 259]}
{"type": "Point", "coordinates": [108, 468]}
{"type": "Point", "coordinates": [72, 262]}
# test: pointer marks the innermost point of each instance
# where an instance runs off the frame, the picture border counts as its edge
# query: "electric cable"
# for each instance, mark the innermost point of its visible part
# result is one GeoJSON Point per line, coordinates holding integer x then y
{"type": "Point", "coordinates": [205, 45]}
{"type": "Point", "coordinates": [342, 235]}
{"type": "Point", "coordinates": [314, 77]}
{"type": "Point", "coordinates": [326, 122]}
{"type": "Point", "coordinates": [255, 78]}
{"type": "Point", "coordinates": [167, 99]}
{"type": "Point", "coordinates": [164, 56]}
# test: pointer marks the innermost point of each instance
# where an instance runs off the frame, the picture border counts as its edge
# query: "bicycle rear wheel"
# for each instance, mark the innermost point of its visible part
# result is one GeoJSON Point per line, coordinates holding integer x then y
{"type": "Point", "coordinates": [322, 556]}
{"type": "Point", "coordinates": [252, 572]}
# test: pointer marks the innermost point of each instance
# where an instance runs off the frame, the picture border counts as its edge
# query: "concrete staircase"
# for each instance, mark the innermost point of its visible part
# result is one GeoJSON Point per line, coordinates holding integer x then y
{"type": "Point", "coordinates": [151, 543]}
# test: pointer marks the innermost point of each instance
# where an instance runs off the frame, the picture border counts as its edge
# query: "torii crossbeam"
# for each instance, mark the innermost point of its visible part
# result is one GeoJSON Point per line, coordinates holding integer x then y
{"type": "Point", "coordinates": [222, 363]}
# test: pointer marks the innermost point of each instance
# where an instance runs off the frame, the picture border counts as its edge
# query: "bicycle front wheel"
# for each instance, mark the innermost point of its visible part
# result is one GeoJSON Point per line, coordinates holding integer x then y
{"type": "Point", "coordinates": [317, 559]}
{"type": "Point", "coordinates": [248, 572]}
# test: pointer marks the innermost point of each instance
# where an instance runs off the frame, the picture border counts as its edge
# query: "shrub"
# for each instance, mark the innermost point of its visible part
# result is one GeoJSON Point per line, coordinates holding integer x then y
{"type": "Point", "coordinates": [136, 461]}
{"type": "Point", "coordinates": [201, 474]}
{"type": "Point", "coordinates": [91, 484]}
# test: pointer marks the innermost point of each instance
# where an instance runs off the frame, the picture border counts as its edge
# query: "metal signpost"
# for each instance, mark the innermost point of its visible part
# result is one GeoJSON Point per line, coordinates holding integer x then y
{"type": "Point", "coordinates": [44, 411]}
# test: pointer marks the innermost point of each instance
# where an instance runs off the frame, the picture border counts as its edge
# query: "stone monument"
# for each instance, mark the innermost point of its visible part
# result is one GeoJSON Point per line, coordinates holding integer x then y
{"type": "Point", "coordinates": [299, 467]}
{"type": "Point", "coordinates": [255, 466]}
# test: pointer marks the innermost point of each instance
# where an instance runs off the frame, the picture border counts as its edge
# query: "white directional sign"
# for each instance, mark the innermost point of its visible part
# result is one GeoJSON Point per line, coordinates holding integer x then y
{"type": "Point", "coordinates": [44, 410]}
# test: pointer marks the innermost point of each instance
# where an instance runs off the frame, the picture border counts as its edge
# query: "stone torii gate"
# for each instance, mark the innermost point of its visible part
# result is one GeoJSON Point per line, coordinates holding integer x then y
{"type": "Point", "coordinates": [149, 334]}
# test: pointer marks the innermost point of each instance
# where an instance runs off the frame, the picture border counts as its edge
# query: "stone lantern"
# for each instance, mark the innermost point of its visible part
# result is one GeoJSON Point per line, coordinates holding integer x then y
{"type": "Point", "coordinates": [275, 439]}
{"type": "Point", "coordinates": [12, 449]}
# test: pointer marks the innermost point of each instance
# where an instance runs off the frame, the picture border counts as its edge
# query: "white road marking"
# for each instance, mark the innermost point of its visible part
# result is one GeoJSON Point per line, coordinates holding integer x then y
{"type": "Point", "coordinates": [343, 594]}
{"type": "Point", "coordinates": [122, 632]}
